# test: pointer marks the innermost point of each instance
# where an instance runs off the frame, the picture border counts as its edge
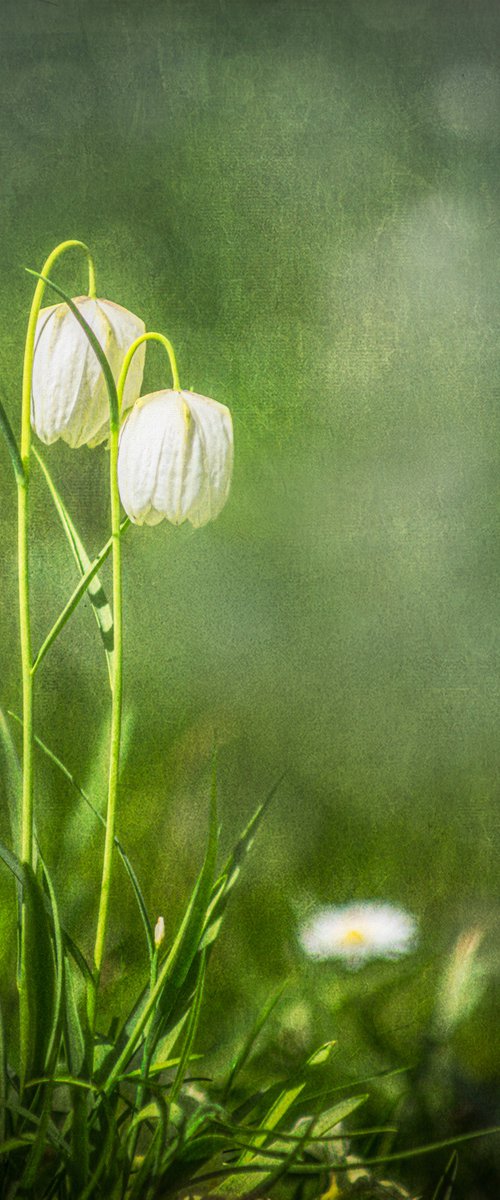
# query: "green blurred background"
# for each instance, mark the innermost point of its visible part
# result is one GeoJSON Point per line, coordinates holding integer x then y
{"type": "Point", "coordinates": [304, 196]}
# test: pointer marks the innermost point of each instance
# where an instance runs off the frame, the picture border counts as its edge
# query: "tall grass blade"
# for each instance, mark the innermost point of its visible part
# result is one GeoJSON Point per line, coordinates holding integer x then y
{"type": "Point", "coordinates": [194, 1016]}
{"type": "Point", "coordinates": [37, 987]}
{"type": "Point", "coordinates": [246, 1049]}
{"type": "Point", "coordinates": [13, 780]}
{"type": "Point", "coordinates": [12, 446]}
{"type": "Point", "coordinates": [97, 596]}
{"type": "Point", "coordinates": [105, 1159]}
{"type": "Point", "coordinates": [270, 1178]}
{"type": "Point", "coordinates": [16, 867]}
{"type": "Point", "coordinates": [4, 1081]}
{"type": "Point", "coordinates": [73, 1031]}
{"type": "Point", "coordinates": [231, 871]}
{"type": "Point", "coordinates": [141, 904]}
{"type": "Point", "coordinates": [430, 1148]}
{"type": "Point", "coordinates": [56, 1032]}
{"type": "Point", "coordinates": [219, 898]}
{"type": "Point", "coordinates": [237, 1184]}
{"type": "Point", "coordinates": [445, 1187]}
{"type": "Point", "coordinates": [160, 1000]}
{"type": "Point", "coordinates": [35, 1155]}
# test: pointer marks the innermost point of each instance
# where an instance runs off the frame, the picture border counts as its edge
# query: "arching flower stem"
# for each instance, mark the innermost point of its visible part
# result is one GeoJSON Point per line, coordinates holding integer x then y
{"type": "Point", "coordinates": [23, 494]}
{"type": "Point", "coordinates": [23, 489]}
{"type": "Point", "coordinates": [148, 337]}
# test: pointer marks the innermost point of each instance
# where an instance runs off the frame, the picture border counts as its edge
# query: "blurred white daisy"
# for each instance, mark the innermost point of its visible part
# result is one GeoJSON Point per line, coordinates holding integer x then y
{"type": "Point", "coordinates": [358, 932]}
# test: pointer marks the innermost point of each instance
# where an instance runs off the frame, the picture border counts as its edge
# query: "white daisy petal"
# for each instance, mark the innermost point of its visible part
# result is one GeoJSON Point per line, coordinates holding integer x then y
{"type": "Point", "coordinates": [357, 932]}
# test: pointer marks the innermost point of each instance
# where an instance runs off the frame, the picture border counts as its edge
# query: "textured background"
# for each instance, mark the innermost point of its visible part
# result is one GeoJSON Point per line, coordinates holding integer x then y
{"type": "Point", "coordinates": [304, 196]}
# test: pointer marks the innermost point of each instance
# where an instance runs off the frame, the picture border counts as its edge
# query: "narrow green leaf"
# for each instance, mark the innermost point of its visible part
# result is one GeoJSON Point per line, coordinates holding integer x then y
{"type": "Point", "coordinates": [176, 966]}
{"type": "Point", "coordinates": [37, 986]}
{"type": "Point", "coordinates": [230, 873]}
{"type": "Point", "coordinates": [56, 1031]}
{"type": "Point", "coordinates": [13, 779]}
{"type": "Point", "coordinates": [162, 1065]}
{"type": "Point", "coordinates": [105, 1158]}
{"type": "Point", "coordinates": [149, 1167]}
{"type": "Point", "coordinates": [12, 446]}
{"type": "Point", "coordinates": [246, 1049]}
{"type": "Point", "coordinates": [282, 1169]}
{"type": "Point", "coordinates": [193, 1019]}
{"type": "Point", "coordinates": [35, 1155]}
{"type": "Point", "coordinates": [219, 898]}
{"type": "Point", "coordinates": [204, 1147]}
{"type": "Point", "coordinates": [430, 1148]}
{"type": "Point", "coordinates": [12, 862]}
{"type": "Point", "coordinates": [60, 1080]}
{"type": "Point", "coordinates": [250, 1186]}
{"type": "Point", "coordinates": [322, 1055]}
{"type": "Point", "coordinates": [16, 1144]}
{"type": "Point", "coordinates": [79, 1158]}
{"type": "Point", "coordinates": [326, 1121]}
{"type": "Point", "coordinates": [97, 596]}
{"type": "Point", "coordinates": [74, 1033]}
{"type": "Point", "coordinates": [236, 1185]}
{"type": "Point", "coordinates": [4, 1082]}
{"type": "Point", "coordinates": [445, 1187]}
{"type": "Point", "coordinates": [119, 846]}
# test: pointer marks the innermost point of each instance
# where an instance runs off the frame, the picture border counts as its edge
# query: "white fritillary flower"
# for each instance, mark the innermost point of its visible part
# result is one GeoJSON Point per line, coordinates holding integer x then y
{"type": "Point", "coordinates": [175, 459]}
{"type": "Point", "coordinates": [69, 395]}
{"type": "Point", "coordinates": [358, 932]}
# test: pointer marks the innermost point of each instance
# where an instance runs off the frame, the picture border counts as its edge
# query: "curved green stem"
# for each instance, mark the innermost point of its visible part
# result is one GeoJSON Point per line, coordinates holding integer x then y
{"type": "Point", "coordinates": [148, 337]}
{"type": "Point", "coordinates": [117, 688]}
{"type": "Point", "coordinates": [116, 703]}
{"type": "Point", "coordinates": [23, 546]}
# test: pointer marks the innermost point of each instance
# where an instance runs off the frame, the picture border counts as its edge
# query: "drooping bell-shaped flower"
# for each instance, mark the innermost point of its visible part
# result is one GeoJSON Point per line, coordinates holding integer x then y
{"type": "Point", "coordinates": [69, 396]}
{"type": "Point", "coordinates": [175, 458]}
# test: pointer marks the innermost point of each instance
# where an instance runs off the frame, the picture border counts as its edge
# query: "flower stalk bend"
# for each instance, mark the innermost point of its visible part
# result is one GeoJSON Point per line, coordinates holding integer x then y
{"type": "Point", "coordinates": [148, 337]}
{"type": "Point", "coordinates": [23, 489]}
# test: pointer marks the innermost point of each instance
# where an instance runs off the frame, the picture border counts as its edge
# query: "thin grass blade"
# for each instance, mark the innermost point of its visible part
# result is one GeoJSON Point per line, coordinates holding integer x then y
{"type": "Point", "coordinates": [12, 446]}
{"type": "Point", "coordinates": [56, 1032]}
{"type": "Point", "coordinates": [193, 1019]}
{"type": "Point", "coordinates": [177, 964]}
{"type": "Point", "coordinates": [15, 866]}
{"type": "Point", "coordinates": [141, 904]}
{"type": "Point", "coordinates": [246, 1049]}
{"type": "Point", "coordinates": [445, 1187]}
{"type": "Point", "coordinates": [37, 987]}
{"type": "Point", "coordinates": [4, 1081]}
{"type": "Point", "coordinates": [97, 596]}
{"type": "Point", "coordinates": [13, 779]}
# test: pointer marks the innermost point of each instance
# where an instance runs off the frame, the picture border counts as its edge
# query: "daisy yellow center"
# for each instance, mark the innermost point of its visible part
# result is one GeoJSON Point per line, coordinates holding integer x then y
{"type": "Point", "coordinates": [353, 937]}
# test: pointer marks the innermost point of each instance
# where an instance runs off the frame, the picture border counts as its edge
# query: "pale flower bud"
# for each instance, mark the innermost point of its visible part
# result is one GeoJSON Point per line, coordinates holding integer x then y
{"type": "Point", "coordinates": [69, 396]}
{"type": "Point", "coordinates": [175, 459]}
{"type": "Point", "coordinates": [159, 932]}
